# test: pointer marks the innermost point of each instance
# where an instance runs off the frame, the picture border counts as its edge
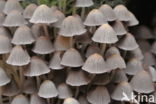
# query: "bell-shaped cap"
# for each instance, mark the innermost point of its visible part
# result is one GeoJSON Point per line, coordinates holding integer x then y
{"type": "Point", "coordinates": [95, 64]}
{"type": "Point", "coordinates": [144, 45]}
{"type": "Point", "coordinates": [123, 89]}
{"type": "Point", "coordinates": [35, 99]}
{"type": "Point", "coordinates": [2, 18]}
{"type": "Point", "coordinates": [133, 21]}
{"type": "Point", "coordinates": [95, 18]}
{"type": "Point", "coordinates": [122, 13]}
{"type": "Point", "coordinates": [37, 67]}
{"type": "Point", "coordinates": [111, 51]}
{"type": "Point", "coordinates": [99, 95]}
{"type": "Point", "coordinates": [29, 86]}
{"type": "Point", "coordinates": [14, 19]}
{"type": "Point", "coordinates": [4, 31]}
{"type": "Point", "coordinates": [43, 14]}
{"type": "Point", "coordinates": [83, 100]}
{"type": "Point", "coordinates": [152, 71]}
{"type": "Point", "coordinates": [119, 76]}
{"type": "Point", "coordinates": [84, 3]}
{"type": "Point", "coordinates": [128, 42]}
{"type": "Point", "coordinates": [105, 34]}
{"type": "Point", "coordinates": [115, 61]}
{"type": "Point", "coordinates": [72, 58]}
{"type": "Point", "coordinates": [47, 89]}
{"type": "Point", "coordinates": [137, 53]}
{"type": "Point", "coordinates": [10, 89]}
{"type": "Point", "coordinates": [62, 43]}
{"type": "Point", "coordinates": [153, 50]}
{"type": "Point", "coordinates": [71, 26]}
{"type": "Point", "coordinates": [133, 66]}
{"type": "Point", "coordinates": [12, 5]}
{"type": "Point", "coordinates": [55, 62]}
{"type": "Point", "coordinates": [92, 49]}
{"type": "Point", "coordinates": [70, 101]}
{"type": "Point", "coordinates": [142, 82]}
{"type": "Point", "coordinates": [5, 44]}
{"type": "Point", "coordinates": [18, 57]}
{"type": "Point", "coordinates": [43, 45]}
{"type": "Point", "coordinates": [143, 32]}
{"type": "Point", "coordinates": [149, 59]}
{"type": "Point", "coordinates": [64, 91]}
{"type": "Point", "coordinates": [4, 79]}
{"type": "Point", "coordinates": [2, 5]}
{"type": "Point", "coordinates": [77, 78]}
{"type": "Point", "coordinates": [101, 79]}
{"type": "Point", "coordinates": [20, 99]}
{"type": "Point", "coordinates": [119, 28]}
{"type": "Point", "coordinates": [60, 17]}
{"type": "Point", "coordinates": [23, 36]}
{"type": "Point", "coordinates": [37, 30]}
{"type": "Point", "coordinates": [108, 12]}
{"type": "Point", "coordinates": [29, 11]}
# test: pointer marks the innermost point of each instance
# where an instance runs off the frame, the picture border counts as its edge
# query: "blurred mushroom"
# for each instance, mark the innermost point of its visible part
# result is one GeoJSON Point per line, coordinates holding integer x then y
{"type": "Point", "coordinates": [29, 10]}
{"type": "Point", "coordinates": [35, 99]}
{"type": "Point", "coordinates": [4, 79]}
{"type": "Point", "coordinates": [84, 3]}
{"type": "Point", "coordinates": [70, 101]}
{"type": "Point", "coordinates": [20, 99]}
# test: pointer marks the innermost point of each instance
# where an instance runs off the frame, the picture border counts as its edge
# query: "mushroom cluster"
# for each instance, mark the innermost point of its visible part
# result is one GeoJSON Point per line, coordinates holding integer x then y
{"type": "Point", "coordinates": [87, 57]}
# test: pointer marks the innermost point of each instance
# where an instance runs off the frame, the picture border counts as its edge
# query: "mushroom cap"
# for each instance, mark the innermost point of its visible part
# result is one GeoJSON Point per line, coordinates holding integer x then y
{"type": "Point", "coordinates": [84, 3]}
{"type": "Point", "coordinates": [95, 18]}
{"type": "Point", "coordinates": [105, 34]}
{"type": "Point", "coordinates": [149, 59]}
{"type": "Point", "coordinates": [20, 98]}
{"type": "Point", "coordinates": [119, 76]}
{"type": "Point", "coordinates": [35, 99]}
{"type": "Point", "coordinates": [43, 45]}
{"type": "Point", "coordinates": [142, 82]}
{"type": "Point", "coordinates": [2, 18]}
{"type": "Point", "coordinates": [144, 45]}
{"type": "Point", "coordinates": [60, 17]}
{"type": "Point", "coordinates": [115, 61]}
{"type": "Point", "coordinates": [37, 67]}
{"type": "Point", "coordinates": [4, 31]}
{"type": "Point", "coordinates": [47, 89]}
{"type": "Point", "coordinates": [119, 28]}
{"type": "Point", "coordinates": [71, 26]}
{"type": "Point", "coordinates": [121, 89]}
{"type": "Point", "coordinates": [128, 42]}
{"type": "Point", "coordinates": [14, 18]}
{"type": "Point", "coordinates": [29, 11]}
{"type": "Point", "coordinates": [18, 57]}
{"type": "Point", "coordinates": [4, 79]}
{"type": "Point", "coordinates": [108, 12]}
{"type": "Point", "coordinates": [5, 44]}
{"type": "Point", "coordinates": [133, 20]}
{"type": "Point", "coordinates": [55, 62]}
{"type": "Point", "coordinates": [62, 43]}
{"type": "Point", "coordinates": [11, 5]}
{"type": "Point", "coordinates": [43, 14]}
{"type": "Point", "coordinates": [64, 91]}
{"type": "Point", "coordinates": [83, 100]}
{"type": "Point", "coordinates": [78, 78]}
{"type": "Point", "coordinates": [2, 5]}
{"type": "Point", "coordinates": [153, 49]}
{"type": "Point", "coordinates": [72, 58]}
{"type": "Point", "coordinates": [23, 36]}
{"type": "Point", "coordinates": [37, 30]}
{"type": "Point", "coordinates": [95, 64]}
{"type": "Point", "coordinates": [99, 95]}
{"type": "Point", "coordinates": [137, 53]}
{"type": "Point", "coordinates": [122, 13]}
{"type": "Point", "coordinates": [92, 49]}
{"type": "Point", "coordinates": [112, 50]}
{"type": "Point", "coordinates": [133, 66]}
{"type": "Point", "coordinates": [70, 101]}
{"type": "Point", "coordinates": [152, 71]}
